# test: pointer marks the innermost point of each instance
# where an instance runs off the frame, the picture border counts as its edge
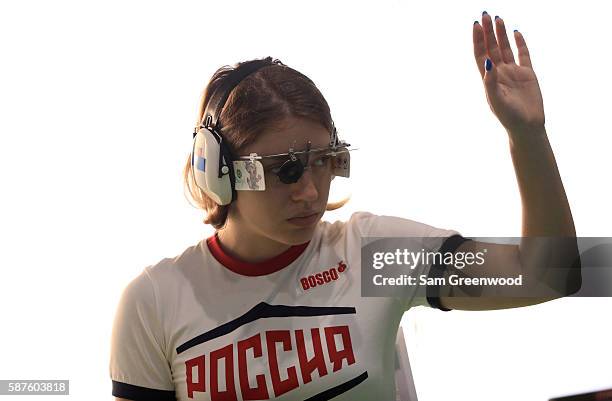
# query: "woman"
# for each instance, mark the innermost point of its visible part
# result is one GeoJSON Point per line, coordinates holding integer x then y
{"type": "Point", "coordinates": [270, 306]}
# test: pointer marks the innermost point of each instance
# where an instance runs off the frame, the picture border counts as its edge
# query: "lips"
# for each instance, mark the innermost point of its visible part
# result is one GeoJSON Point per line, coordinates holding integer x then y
{"type": "Point", "coordinates": [308, 214]}
{"type": "Point", "coordinates": [305, 220]}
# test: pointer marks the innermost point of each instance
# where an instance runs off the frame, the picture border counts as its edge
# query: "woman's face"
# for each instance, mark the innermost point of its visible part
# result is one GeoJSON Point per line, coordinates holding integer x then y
{"type": "Point", "coordinates": [278, 212]}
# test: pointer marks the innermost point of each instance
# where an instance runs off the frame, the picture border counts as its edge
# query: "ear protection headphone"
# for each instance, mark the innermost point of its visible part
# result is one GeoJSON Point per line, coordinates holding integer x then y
{"type": "Point", "coordinates": [211, 159]}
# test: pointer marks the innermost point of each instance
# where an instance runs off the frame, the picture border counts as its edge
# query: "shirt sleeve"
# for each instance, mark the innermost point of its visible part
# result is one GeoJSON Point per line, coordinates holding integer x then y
{"type": "Point", "coordinates": [139, 368]}
{"type": "Point", "coordinates": [437, 270]}
{"type": "Point", "coordinates": [431, 239]}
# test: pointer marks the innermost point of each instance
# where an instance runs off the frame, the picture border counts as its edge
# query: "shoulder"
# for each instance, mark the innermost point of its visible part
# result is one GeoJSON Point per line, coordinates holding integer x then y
{"type": "Point", "coordinates": [173, 268]}
{"type": "Point", "coordinates": [166, 275]}
{"type": "Point", "coordinates": [372, 225]}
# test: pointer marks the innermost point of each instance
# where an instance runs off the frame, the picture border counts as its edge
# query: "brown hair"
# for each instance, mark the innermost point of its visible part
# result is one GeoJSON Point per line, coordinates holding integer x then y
{"type": "Point", "coordinates": [261, 101]}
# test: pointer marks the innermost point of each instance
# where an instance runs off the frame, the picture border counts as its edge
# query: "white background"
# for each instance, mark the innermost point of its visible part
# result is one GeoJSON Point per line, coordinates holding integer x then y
{"type": "Point", "coordinates": [97, 105]}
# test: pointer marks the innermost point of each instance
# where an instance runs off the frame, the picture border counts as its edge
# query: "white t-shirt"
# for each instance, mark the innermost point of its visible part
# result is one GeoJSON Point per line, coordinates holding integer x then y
{"type": "Point", "coordinates": [204, 326]}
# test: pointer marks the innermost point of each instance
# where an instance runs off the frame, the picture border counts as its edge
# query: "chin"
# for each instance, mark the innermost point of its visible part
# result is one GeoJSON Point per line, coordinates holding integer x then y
{"type": "Point", "coordinates": [299, 235]}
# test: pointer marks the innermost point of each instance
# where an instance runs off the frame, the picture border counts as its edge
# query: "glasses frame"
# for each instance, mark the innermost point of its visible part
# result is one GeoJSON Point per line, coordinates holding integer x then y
{"type": "Point", "coordinates": [293, 160]}
{"type": "Point", "coordinates": [341, 147]}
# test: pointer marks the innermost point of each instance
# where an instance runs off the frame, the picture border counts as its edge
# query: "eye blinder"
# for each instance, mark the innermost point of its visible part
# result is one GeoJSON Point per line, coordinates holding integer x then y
{"type": "Point", "coordinates": [291, 170]}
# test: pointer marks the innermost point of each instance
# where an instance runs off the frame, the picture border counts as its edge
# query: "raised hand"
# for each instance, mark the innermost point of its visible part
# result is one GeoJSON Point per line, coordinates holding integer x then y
{"type": "Point", "coordinates": [512, 90]}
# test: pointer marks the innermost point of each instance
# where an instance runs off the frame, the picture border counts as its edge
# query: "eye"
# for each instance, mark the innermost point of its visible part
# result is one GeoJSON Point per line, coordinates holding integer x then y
{"type": "Point", "coordinates": [320, 161]}
{"type": "Point", "coordinates": [274, 168]}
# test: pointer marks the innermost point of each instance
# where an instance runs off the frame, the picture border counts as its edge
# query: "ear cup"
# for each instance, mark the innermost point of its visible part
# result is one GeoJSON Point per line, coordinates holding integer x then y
{"type": "Point", "coordinates": [205, 166]}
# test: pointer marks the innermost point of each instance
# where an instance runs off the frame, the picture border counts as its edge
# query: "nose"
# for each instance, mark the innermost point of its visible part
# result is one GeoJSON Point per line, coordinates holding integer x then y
{"type": "Point", "coordinates": [304, 190]}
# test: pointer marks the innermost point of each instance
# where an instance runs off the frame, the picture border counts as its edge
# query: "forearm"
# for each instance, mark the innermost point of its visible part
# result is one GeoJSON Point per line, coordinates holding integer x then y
{"type": "Point", "coordinates": [546, 213]}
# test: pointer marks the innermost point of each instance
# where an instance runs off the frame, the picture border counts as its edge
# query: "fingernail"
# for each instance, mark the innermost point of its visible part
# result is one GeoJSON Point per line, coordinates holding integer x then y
{"type": "Point", "coordinates": [475, 22]}
{"type": "Point", "coordinates": [484, 13]}
{"type": "Point", "coordinates": [497, 17]}
{"type": "Point", "coordinates": [488, 65]}
{"type": "Point", "coordinates": [516, 30]}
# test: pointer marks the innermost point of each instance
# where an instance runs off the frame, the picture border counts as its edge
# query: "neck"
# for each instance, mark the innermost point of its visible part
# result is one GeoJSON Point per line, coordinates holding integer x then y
{"type": "Point", "coordinates": [248, 246]}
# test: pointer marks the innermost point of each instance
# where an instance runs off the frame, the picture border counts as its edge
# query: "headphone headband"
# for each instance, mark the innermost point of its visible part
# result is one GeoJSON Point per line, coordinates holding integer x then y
{"type": "Point", "coordinates": [215, 104]}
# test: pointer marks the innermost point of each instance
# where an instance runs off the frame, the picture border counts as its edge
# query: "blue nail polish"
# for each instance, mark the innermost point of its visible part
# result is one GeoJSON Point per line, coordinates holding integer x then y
{"type": "Point", "coordinates": [484, 13]}
{"type": "Point", "coordinates": [497, 17]}
{"type": "Point", "coordinates": [516, 30]}
{"type": "Point", "coordinates": [488, 65]}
